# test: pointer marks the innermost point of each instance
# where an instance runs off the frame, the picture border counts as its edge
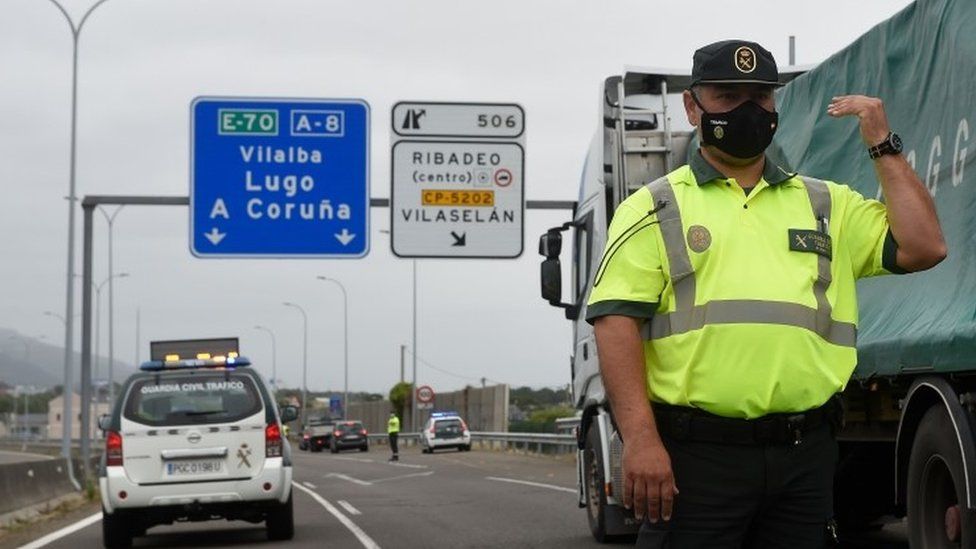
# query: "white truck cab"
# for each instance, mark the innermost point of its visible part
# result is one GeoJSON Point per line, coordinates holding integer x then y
{"type": "Point", "coordinates": [194, 439]}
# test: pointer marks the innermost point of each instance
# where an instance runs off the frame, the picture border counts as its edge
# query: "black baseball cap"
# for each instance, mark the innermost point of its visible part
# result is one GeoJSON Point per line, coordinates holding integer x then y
{"type": "Point", "coordinates": [734, 62]}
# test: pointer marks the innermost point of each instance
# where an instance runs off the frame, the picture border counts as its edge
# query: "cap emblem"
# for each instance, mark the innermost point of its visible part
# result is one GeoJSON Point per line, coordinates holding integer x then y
{"type": "Point", "coordinates": [699, 239]}
{"type": "Point", "coordinates": [745, 59]}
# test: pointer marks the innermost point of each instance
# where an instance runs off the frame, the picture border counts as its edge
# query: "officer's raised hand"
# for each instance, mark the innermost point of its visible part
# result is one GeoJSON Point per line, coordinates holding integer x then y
{"type": "Point", "coordinates": [869, 111]}
{"type": "Point", "coordinates": [649, 486]}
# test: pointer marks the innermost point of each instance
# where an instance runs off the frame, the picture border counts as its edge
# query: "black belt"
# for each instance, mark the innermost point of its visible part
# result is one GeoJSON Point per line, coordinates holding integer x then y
{"type": "Point", "coordinates": [692, 424]}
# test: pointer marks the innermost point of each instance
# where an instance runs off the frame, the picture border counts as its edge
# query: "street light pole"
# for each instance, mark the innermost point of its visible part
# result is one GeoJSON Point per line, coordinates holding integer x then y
{"type": "Point", "coordinates": [23, 341]}
{"type": "Point", "coordinates": [111, 306]}
{"type": "Point", "coordinates": [345, 345]}
{"type": "Point", "coordinates": [413, 350]}
{"type": "Point", "coordinates": [274, 357]}
{"type": "Point", "coordinates": [304, 360]}
{"type": "Point", "coordinates": [72, 198]}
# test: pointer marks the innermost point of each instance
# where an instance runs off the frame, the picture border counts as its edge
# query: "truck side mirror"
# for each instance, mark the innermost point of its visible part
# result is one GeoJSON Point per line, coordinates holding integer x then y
{"type": "Point", "coordinates": [551, 244]}
{"type": "Point", "coordinates": [552, 280]}
{"type": "Point", "coordinates": [288, 413]}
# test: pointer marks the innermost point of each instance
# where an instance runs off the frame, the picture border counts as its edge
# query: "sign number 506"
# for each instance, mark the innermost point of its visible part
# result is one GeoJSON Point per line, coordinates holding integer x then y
{"type": "Point", "coordinates": [496, 121]}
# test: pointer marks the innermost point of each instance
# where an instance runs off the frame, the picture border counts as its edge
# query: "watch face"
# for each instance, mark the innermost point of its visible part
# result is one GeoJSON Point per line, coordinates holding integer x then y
{"type": "Point", "coordinates": [896, 142]}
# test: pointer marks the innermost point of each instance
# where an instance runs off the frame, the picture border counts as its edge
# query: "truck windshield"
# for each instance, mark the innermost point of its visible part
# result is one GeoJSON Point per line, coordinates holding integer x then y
{"type": "Point", "coordinates": [192, 400]}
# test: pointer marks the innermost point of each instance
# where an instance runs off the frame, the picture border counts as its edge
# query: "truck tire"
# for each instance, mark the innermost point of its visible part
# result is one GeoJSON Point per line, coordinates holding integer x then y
{"type": "Point", "coordinates": [280, 522]}
{"type": "Point", "coordinates": [116, 532]}
{"type": "Point", "coordinates": [936, 485]}
{"type": "Point", "coordinates": [596, 497]}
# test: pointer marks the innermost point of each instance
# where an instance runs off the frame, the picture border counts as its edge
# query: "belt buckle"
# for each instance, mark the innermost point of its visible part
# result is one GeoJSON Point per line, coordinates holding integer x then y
{"type": "Point", "coordinates": [794, 426]}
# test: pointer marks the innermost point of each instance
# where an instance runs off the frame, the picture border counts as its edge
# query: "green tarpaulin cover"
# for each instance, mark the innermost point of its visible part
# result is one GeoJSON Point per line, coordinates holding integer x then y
{"type": "Point", "coordinates": [922, 63]}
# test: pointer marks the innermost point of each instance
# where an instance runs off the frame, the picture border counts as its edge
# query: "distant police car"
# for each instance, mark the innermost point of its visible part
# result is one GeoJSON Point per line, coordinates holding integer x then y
{"type": "Point", "coordinates": [445, 430]}
{"type": "Point", "coordinates": [195, 439]}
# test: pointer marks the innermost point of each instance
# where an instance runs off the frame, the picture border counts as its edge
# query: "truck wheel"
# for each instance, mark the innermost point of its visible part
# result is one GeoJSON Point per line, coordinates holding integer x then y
{"type": "Point", "coordinates": [280, 522]}
{"type": "Point", "coordinates": [937, 485]}
{"type": "Point", "coordinates": [596, 498]}
{"type": "Point", "coordinates": [115, 530]}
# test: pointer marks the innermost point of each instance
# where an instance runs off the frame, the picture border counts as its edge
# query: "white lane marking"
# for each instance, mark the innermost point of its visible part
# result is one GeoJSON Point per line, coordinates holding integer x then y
{"type": "Point", "coordinates": [66, 531]}
{"type": "Point", "coordinates": [536, 484]}
{"type": "Point", "coordinates": [348, 507]}
{"type": "Point", "coordinates": [367, 541]}
{"type": "Point", "coordinates": [310, 485]}
{"type": "Point", "coordinates": [424, 474]}
{"type": "Point", "coordinates": [408, 465]}
{"type": "Point", "coordinates": [349, 478]}
{"type": "Point", "coordinates": [361, 460]}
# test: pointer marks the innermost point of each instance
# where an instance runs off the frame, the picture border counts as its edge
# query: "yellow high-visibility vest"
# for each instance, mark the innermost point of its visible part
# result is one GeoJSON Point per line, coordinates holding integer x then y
{"type": "Point", "coordinates": [749, 301]}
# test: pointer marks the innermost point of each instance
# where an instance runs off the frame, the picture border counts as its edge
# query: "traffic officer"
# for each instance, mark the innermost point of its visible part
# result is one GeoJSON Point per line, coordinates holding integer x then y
{"type": "Point", "coordinates": [393, 430]}
{"type": "Point", "coordinates": [725, 314]}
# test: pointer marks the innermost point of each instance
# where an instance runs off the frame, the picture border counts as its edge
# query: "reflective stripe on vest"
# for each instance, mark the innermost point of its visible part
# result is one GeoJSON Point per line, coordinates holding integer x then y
{"type": "Point", "coordinates": [688, 316]}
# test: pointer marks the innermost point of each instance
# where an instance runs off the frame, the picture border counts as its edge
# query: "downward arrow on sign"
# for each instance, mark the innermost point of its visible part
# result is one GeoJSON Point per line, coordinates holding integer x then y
{"type": "Point", "coordinates": [345, 237]}
{"type": "Point", "coordinates": [215, 236]}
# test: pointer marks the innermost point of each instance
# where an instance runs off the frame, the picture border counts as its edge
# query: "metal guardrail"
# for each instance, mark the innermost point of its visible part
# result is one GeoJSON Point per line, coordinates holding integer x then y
{"type": "Point", "coordinates": [548, 443]}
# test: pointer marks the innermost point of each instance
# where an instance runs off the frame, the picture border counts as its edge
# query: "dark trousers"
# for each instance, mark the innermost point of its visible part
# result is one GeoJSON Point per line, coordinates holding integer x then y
{"type": "Point", "coordinates": [772, 495]}
{"type": "Point", "coordinates": [393, 443]}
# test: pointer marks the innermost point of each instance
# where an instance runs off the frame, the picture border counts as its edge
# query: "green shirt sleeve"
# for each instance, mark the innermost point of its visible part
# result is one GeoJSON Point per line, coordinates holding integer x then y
{"type": "Point", "coordinates": [630, 278]}
{"type": "Point", "coordinates": [866, 233]}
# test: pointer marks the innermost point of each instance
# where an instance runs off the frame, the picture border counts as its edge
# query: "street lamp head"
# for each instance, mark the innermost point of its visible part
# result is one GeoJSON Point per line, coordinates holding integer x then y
{"type": "Point", "coordinates": [123, 275]}
{"type": "Point", "coordinates": [288, 304]}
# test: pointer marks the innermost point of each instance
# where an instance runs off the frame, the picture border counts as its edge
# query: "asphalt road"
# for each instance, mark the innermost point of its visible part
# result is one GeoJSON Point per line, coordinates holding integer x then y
{"type": "Point", "coordinates": [451, 499]}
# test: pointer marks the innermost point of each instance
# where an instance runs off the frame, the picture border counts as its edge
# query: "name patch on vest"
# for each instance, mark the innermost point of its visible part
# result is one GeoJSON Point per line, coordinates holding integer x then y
{"type": "Point", "coordinates": [804, 240]}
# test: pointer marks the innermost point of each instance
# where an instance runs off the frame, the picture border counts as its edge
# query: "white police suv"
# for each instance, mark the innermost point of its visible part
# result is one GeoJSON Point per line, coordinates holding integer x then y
{"type": "Point", "coordinates": [195, 435]}
{"type": "Point", "coordinates": [445, 430]}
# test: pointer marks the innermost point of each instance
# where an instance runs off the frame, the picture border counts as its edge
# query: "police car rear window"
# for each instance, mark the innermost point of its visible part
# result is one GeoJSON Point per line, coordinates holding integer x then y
{"type": "Point", "coordinates": [192, 400]}
{"type": "Point", "coordinates": [349, 427]}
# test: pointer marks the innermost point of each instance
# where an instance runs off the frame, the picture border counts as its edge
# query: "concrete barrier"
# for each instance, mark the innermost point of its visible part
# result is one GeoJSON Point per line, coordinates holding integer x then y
{"type": "Point", "coordinates": [29, 483]}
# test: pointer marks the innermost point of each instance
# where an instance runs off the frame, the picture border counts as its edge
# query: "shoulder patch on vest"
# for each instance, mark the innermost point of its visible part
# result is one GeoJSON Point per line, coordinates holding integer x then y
{"type": "Point", "coordinates": [699, 239]}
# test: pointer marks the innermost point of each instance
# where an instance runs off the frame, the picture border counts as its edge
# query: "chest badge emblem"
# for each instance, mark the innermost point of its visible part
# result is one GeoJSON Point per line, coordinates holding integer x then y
{"type": "Point", "coordinates": [699, 239]}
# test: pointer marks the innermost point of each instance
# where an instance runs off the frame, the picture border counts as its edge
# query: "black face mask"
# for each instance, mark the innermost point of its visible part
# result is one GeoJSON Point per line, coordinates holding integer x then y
{"type": "Point", "coordinates": [743, 132]}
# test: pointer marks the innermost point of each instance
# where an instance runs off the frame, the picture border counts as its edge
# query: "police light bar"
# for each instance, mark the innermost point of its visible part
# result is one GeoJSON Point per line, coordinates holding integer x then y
{"type": "Point", "coordinates": [218, 361]}
{"type": "Point", "coordinates": [202, 349]}
{"type": "Point", "coordinates": [445, 414]}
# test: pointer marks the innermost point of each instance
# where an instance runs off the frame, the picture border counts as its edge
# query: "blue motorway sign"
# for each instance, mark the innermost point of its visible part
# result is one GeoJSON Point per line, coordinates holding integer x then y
{"type": "Point", "coordinates": [279, 177]}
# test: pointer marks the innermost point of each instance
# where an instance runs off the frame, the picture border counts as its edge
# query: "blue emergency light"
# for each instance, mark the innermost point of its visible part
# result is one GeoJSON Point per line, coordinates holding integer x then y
{"type": "Point", "coordinates": [229, 362]}
{"type": "Point", "coordinates": [445, 414]}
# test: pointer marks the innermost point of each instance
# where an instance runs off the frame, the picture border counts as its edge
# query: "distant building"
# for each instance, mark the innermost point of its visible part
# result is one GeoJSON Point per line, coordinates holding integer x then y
{"type": "Point", "coordinates": [6, 389]}
{"type": "Point", "coordinates": [55, 425]}
{"type": "Point", "coordinates": [19, 426]}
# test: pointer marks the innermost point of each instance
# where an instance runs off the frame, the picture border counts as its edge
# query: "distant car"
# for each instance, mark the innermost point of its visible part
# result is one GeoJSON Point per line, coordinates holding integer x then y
{"type": "Point", "coordinates": [349, 434]}
{"type": "Point", "coordinates": [193, 440]}
{"type": "Point", "coordinates": [445, 430]}
{"type": "Point", "coordinates": [318, 433]}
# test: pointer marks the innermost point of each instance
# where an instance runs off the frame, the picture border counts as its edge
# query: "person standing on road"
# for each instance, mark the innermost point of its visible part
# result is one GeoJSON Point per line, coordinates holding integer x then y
{"type": "Point", "coordinates": [393, 430]}
{"type": "Point", "coordinates": [725, 315]}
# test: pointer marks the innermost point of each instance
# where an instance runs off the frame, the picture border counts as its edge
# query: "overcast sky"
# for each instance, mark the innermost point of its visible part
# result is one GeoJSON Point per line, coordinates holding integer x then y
{"type": "Point", "coordinates": [141, 62]}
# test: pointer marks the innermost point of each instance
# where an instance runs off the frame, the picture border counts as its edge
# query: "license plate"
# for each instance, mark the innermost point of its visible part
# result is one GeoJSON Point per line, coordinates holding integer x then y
{"type": "Point", "coordinates": [190, 468]}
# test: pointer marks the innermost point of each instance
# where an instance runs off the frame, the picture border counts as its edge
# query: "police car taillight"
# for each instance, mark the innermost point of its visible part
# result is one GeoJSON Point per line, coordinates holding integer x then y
{"type": "Point", "coordinates": [113, 448]}
{"type": "Point", "coordinates": [272, 440]}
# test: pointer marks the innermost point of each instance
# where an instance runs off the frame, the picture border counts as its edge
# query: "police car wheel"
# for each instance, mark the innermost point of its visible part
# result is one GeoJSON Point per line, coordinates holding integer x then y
{"type": "Point", "coordinates": [115, 530]}
{"type": "Point", "coordinates": [937, 486]}
{"type": "Point", "coordinates": [280, 522]}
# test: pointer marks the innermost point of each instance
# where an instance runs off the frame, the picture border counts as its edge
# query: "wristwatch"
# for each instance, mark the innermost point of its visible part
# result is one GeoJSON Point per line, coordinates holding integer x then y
{"type": "Point", "coordinates": [890, 145]}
